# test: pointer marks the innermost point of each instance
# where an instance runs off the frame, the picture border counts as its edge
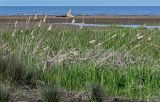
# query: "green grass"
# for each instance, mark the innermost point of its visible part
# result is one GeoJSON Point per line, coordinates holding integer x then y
{"type": "Point", "coordinates": [52, 93]}
{"type": "Point", "coordinates": [125, 61]}
{"type": "Point", "coordinates": [4, 93]}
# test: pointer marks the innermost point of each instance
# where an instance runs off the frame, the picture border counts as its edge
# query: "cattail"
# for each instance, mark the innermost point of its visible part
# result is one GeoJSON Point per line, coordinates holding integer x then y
{"type": "Point", "coordinates": [149, 39]}
{"type": "Point", "coordinates": [81, 26]}
{"type": "Point", "coordinates": [92, 41]}
{"type": "Point", "coordinates": [73, 21]}
{"type": "Point", "coordinates": [32, 32]}
{"type": "Point", "coordinates": [40, 23]}
{"type": "Point", "coordinates": [15, 24]}
{"type": "Point", "coordinates": [50, 27]}
{"type": "Point", "coordinates": [69, 14]}
{"type": "Point", "coordinates": [74, 53]}
{"type": "Point", "coordinates": [82, 23]}
{"type": "Point", "coordinates": [46, 48]}
{"type": "Point", "coordinates": [99, 44]}
{"type": "Point", "coordinates": [123, 34]}
{"type": "Point", "coordinates": [44, 19]}
{"type": "Point", "coordinates": [35, 17]}
{"type": "Point", "coordinates": [29, 20]}
{"type": "Point", "coordinates": [26, 20]}
{"type": "Point", "coordinates": [32, 37]}
{"type": "Point", "coordinates": [113, 36]}
{"type": "Point", "coordinates": [138, 45]}
{"type": "Point", "coordinates": [14, 32]}
{"type": "Point", "coordinates": [139, 37]}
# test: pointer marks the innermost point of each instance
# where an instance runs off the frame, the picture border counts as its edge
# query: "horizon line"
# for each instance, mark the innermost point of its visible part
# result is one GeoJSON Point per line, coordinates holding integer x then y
{"type": "Point", "coordinates": [79, 5]}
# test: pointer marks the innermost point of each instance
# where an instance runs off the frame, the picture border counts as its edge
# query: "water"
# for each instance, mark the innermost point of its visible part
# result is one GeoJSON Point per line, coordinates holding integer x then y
{"type": "Point", "coordinates": [84, 10]}
{"type": "Point", "coordinates": [80, 10]}
{"type": "Point", "coordinates": [104, 25]}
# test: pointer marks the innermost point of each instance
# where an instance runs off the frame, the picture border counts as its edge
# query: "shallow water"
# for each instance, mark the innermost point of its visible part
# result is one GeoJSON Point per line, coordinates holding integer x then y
{"type": "Point", "coordinates": [104, 25]}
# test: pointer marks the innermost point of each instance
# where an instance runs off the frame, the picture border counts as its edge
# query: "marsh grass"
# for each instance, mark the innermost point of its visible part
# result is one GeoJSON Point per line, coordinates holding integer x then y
{"type": "Point", "coordinates": [97, 93]}
{"type": "Point", "coordinates": [122, 60]}
{"type": "Point", "coordinates": [4, 93]}
{"type": "Point", "coordinates": [52, 93]}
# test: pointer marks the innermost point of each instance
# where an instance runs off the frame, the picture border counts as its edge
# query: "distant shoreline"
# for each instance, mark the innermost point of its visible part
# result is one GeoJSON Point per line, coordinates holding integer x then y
{"type": "Point", "coordinates": [88, 19]}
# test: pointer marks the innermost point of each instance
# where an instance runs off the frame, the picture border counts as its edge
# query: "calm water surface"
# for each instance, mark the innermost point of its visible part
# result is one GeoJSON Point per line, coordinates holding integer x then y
{"type": "Point", "coordinates": [81, 10]}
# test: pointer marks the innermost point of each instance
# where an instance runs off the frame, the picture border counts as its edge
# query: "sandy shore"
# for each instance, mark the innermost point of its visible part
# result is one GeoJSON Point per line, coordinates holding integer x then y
{"type": "Point", "coordinates": [88, 19]}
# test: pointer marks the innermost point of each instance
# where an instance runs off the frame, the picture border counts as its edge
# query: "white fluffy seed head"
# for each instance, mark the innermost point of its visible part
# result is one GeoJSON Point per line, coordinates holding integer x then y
{"type": "Point", "coordinates": [99, 44]}
{"type": "Point", "coordinates": [32, 37]}
{"type": "Point", "coordinates": [14, 32]}
{"type": "Point", "coordinates": [32, 32]}
{"type": "Point", "coordinates": [149, 39]}
{"type": "Point", "coordinates": [139, 37]}
{"type": "Point", "coordinates": [113, 36]}
{"type": "Point", "coordinates": [15, 24]}
{"type": "Point", "coordinates": [74, 53]}
{"type": "Point", "coordinates": [69, 14]}
{"type": "Point", "coordinates": [40, 23]}
{"type": "Point", "coordinates": [92, 41]}
{"type": "Point", "coordinates": [73, 21]}
{"type": "Point", "coordinates": [35, 17]}
{"type": "Point", "coordinates": [81, 26]}
{"type": "Point", "coordinates": [44, 19]}
{"type": "Point", "coordinates": [123, 34]}
{"type": "Point", "coordinates": [29, 20]}
{"type": "Point", "coordinates": [50, 27]}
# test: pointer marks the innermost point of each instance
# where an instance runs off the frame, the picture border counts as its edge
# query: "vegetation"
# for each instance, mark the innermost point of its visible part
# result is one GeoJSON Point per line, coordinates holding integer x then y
{"type": "Point", "coordinates": [52, 93]}
{"type": "Point", "coordinates": [4, 93]}
{"type": "Point", "coordinates": [125, 61]}
{"type": "Point", "coordinates": [97, 93]}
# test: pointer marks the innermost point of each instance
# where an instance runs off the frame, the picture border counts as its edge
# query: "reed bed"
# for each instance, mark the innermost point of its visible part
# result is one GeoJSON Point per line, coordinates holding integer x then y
{"type": "Point", "coordinates": [124, 61]}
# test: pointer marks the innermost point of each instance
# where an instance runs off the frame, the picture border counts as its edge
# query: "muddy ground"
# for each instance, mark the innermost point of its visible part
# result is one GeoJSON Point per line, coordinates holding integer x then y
{"type": "Point", "coordinates": [26, 94]}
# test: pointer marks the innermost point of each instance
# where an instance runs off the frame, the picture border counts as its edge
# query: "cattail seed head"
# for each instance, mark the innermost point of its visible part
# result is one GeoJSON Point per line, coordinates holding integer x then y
{"type": "Point", "coordinates": [113, 36]}
{"type": "Point", "coordinates": [29, 20]}
{"type": "Point", "coordinates": [32, 32]}
{"type": "Point", "coordinates": [44, 19]}
{"type": "Point", "coordinates": [40, 23]}
{"type": "Point", "coordinates": [149, 39]}
{"type": "Point", "coordinates": [50, 27]}
{"type": "Point", "coordinates": [92, 41]}
{"type": "Point", "coordinates": [32, 37]}
{"type": "Point", "coordinates": [139, 37]}
{"type": "Point", "coordinates": [73, 21]}
{"type": "Point", "coordinates": [81, 26]}
{"type": "Point", "coordinates": [35, 17]}
{"type": "Point", "coordinates": [15, 24]}
{"type": "Point", "coordinates": [69, 14]}
{"type": "Point", "coordinates": [14, 32]}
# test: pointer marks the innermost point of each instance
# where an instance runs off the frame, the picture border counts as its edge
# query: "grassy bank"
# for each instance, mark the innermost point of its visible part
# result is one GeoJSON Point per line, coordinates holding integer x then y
{"type": "Point", "coordinates": [124, 61]}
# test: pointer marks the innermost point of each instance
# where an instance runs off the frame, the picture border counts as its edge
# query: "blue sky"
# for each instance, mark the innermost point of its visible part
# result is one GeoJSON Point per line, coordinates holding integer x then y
{"type": "Point", "coordinates": [79, 2]}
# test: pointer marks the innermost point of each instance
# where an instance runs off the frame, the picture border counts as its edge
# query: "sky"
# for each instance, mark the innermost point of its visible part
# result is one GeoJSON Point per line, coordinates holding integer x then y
{"type": "Point", "coordinates": [79, 2]}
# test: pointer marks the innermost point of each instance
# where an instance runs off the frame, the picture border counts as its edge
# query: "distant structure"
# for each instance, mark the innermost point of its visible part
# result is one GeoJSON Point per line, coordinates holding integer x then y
{"type": "Point", "coordinates": [69, 14]}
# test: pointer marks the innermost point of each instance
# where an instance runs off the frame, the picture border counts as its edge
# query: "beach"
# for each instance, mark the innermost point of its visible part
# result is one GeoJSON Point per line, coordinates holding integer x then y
{"type": "Point", "coordinates": [150, 20]}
